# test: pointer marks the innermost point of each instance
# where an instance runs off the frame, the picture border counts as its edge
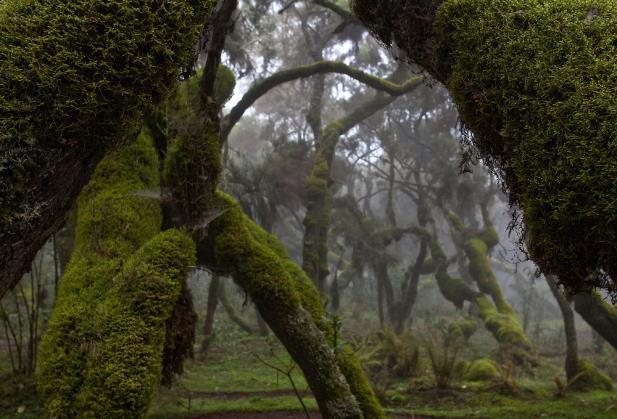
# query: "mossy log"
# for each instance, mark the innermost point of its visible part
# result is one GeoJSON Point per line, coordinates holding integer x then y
{"type": "Point", "coordinates": [75, 79]}
{"type": "Point", "coordinates": [534, 80]}
{"type": "Point", "coordinates": [102, 353]}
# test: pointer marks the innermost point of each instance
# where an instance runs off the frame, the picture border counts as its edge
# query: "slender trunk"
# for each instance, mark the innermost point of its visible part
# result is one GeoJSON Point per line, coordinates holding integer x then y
{"type": "Point", "coordinates": [410, 291]}
{"type": "Point", "coordinates": [261, 324]}
{"type": "Point", "coordinates": [572, 366]}
{"type": "Point", "coordinates": [213, 299]}
{"type": "Point", "coordinates": [231, 313]}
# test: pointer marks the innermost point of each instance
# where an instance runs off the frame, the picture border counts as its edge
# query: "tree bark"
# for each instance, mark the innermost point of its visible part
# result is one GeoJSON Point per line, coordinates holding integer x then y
{"type": "Point", "coordinates": [599, 314]}
{"type": "Point", "coordinates": [213, 299]}
{"type": "Point", "coordinates": [572, 367]}
{"type": "Point", "coordinates": [318, 194]}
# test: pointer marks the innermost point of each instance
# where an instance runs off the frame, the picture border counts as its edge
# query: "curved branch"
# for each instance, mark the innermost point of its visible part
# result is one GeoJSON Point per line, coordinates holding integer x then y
{"type": "Point", "coordinates": [264, 86]}
{"type": "Point", "coordinates": [346, 15]}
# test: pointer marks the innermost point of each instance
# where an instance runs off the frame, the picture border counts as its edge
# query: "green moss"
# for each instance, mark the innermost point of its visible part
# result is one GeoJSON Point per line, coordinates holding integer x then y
{"type": "Point", "coordinates": [462, 328]}
{"type": "Point", "coordinates": [454, 290]}
{"type": "Point", "coordinates": [78, 75]}
{"type": "Point", "coordinates": [482, 370]}
{"type": "Point", "coordinates": [260, 265]}
{"type": "Point", "coordinates": [482, 273]}
{"type": "Point", "coordinates": [224, 84]}
{"type": "Point", "coordinates": [193, 161]}
{"type": "Point", "coordinates": [590, 378]}
{"type": "Point", "coordinates": [102, 352]}
{"type": "Point", "coordinates": [505, 327]}
{"type": "Point", "coordinates": [254, 265]}
{"type": "Point", "coordinates": [360, 387]}
{"type": "Point", "coordinates": [535, 81]}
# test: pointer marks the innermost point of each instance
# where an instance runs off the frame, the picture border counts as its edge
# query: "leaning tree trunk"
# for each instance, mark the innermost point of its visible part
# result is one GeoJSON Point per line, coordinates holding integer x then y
{"type": "Point", "coordinates": [498, 315]}
{"type": "Point", "coordinates": [75, 77]}
{"type": "Point", "coordinates": [230, 244]}
{"type": "Point", "coordinates": [599, 314]}
{"type": "Point", "coordinates": [572, 366]}
{"type": "Point", "coordinates": [535, 82]}
{"type": "Point", "coordinates": [213, 300]}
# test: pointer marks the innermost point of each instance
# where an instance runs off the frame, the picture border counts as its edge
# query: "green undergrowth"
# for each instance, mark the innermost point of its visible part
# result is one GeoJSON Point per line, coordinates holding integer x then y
{"type": "Point", "coordinates": [482, 403]}
{"type": "Point", "coordinates": [19, 398]}
{"type": "Point", "coordinates": [236, 365]}
{"type": "Point", "coordinates": [252, 404]}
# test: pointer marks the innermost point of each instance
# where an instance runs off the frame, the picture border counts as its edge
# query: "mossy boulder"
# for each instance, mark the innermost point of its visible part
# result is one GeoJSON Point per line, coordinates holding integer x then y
{"type": "Point", "coordinates": [482, 370]}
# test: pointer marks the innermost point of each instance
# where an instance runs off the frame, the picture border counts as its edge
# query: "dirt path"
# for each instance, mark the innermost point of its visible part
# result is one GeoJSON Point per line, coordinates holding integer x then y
{"type": "Point", "coordinates": [235, 395]}
{"type": "Point", "coordinates": [289, 415]}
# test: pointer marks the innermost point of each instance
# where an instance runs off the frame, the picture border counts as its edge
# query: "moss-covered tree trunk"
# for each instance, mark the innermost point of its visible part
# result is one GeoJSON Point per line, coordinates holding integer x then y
{"type": "Point", "coordinates": [230, 244]}
{"type": "Point", "coordinates": [535, 83]}
{"type": "Point", "coordinates": [75, 78]}
{"type": "Point", "coordinates": [498, 316]}
{"type": "Point", "coordinates": [102, 353]}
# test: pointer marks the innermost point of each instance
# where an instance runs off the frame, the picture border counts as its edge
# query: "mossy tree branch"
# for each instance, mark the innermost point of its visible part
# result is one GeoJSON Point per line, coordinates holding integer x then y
{"type": "Point", "coordinates": [599, 314]}
{"type": "Point", "coordinates": [232, 245]}
{"type": "Point", "coordinates": [498, 316]}
{"type": "Point", "coordinates": [322, 67]}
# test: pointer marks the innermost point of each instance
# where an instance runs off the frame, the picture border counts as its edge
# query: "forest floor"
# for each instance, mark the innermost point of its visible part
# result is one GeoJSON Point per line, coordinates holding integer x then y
{"type": "Point", "coordinates": [238, 381]}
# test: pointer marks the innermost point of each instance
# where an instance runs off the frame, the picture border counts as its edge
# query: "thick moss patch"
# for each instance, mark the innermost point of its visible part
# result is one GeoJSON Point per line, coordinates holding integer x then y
{"type": "Point", "coordinates": [80, 73]}
{"type": "Point", "coordinates": [535, 81]}
{"type": "Point", "coordinates": [102, 352]}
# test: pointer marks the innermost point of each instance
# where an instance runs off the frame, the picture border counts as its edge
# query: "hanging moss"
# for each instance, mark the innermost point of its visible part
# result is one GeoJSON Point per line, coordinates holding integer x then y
{"type": "Point", "coordinates": [102, 352]}
{"type": "Point", "coordinates": [534, 80]}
